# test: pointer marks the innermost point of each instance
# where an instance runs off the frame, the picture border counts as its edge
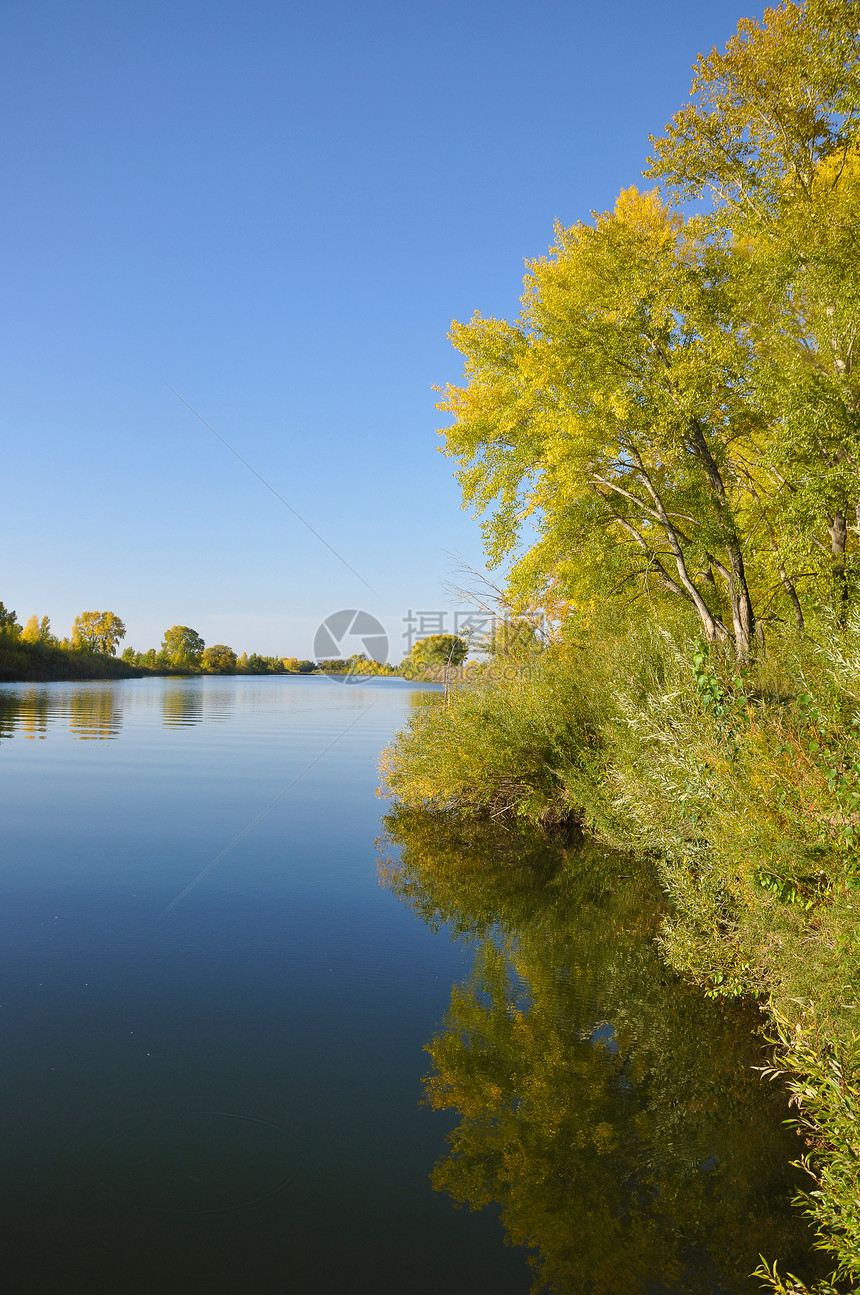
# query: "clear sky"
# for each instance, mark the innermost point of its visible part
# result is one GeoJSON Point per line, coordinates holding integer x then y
{"type": "Point", "coordinates": [277, 209]}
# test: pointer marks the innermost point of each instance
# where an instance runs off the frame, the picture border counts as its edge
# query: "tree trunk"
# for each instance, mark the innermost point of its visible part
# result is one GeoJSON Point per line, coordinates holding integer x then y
{"type": "Point", "coordinates": [743, 617]}
{"type": "Point", "coordinates": [789, 588]}
{"type": "Point", "coordinates": [715, 631]}
{"type": "Point", "coordinates": [837, 529]}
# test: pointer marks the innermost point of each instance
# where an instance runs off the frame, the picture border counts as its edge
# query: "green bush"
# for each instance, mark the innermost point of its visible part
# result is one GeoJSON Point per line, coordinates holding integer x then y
{"type": "Point", "coordinates": [511, 740]}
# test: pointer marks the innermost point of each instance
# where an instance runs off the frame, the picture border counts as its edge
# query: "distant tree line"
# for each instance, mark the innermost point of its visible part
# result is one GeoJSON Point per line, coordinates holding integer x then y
{"type": "Point", "coordinates": [33, 651]}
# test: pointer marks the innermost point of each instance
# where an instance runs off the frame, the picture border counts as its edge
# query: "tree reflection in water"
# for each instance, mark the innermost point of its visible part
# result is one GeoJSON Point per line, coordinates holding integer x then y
{"type": "Point", "coordinates": [611, 1111]}
{"type": "Point", "coordinates": [91, 711]}
{"type": "Point", "coordinates": [182, 703]}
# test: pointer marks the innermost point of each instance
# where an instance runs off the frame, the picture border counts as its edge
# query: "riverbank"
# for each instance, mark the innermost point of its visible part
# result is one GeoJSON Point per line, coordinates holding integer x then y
{"type": "Point", "coordinates": [743, 786]}
{"type": "Point", "coordinates": [22, 662]}
{"type": "Point", "coordinates": [25, 662]}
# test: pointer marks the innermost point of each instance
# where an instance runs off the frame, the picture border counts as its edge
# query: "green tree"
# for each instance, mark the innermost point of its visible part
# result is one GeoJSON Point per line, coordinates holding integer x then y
{"type": "Point", "coordinates": [771, 138]}
{"type": "Point", "coordinates": [437, 651]}
{"type": "Point", "coordinates": [677, 410]}
{"type": "Point", "coordinates": [98, 632]}
{"type": "Point", "coordinates": [9, 622]}
{"type": "Point", "coordinates": [183, 647]}
{"type": "Point", "coordinates": [219, 659]}
{"type": "Point", "coordinates": [606, 420]}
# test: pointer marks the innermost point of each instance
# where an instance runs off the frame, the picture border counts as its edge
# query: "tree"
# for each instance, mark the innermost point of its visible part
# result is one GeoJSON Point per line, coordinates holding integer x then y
{"type": "Point", "coordinates": [602, 421]}
{"type": "Point", "coordinates": [676, 412]}
{"type": "Point", "coordinates": [771, 138]}
{"type": "Point", "coordinates": [9, 622]}
{"type": "Point", "coordinates": [437, 651]}
{"type": "Point", "coordinates": [97, 632]}
{"type": "Point", "coordinates": [183, 647]}
{"type": "Point", "coordinates": [219, 659]}
{"type": "Point", "coordinates": [36, 631]}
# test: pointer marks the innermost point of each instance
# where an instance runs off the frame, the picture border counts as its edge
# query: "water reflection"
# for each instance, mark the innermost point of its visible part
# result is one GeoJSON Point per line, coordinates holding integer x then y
{"type": "Point", "coordinates": [27, 712]}
{"type": "Point", "coordinates": [611, 1112]}
{"type": "Point", "coordinates": [93, 713]}
{"type": "Point", "coordinates": [89, 711]}
{"type": "Point", "coordinates": [182, 703]}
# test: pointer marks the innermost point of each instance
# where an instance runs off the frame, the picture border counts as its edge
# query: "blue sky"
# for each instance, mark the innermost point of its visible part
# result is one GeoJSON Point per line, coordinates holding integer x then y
{"type": "Point", "coordinates": [277, 210]}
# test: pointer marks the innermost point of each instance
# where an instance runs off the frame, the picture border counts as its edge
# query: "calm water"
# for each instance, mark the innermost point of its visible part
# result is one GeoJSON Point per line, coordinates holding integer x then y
{"type": "Point", "coordinates": [215, 1070]}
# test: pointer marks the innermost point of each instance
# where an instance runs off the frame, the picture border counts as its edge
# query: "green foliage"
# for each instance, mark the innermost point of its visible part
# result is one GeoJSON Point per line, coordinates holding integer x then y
{"type": "Point", "coordinates": [183, 647]}
{"type": "Point", "coordinates": [219, 659]}
{"type": "Point", "coordinates": [41, 661]}
{"type": "Point", "coordinates": [824, 1079]}
{"type": "Point", "coordinates": [669, 434]}
{"type": "Point", "coordinates": [511, 740]}
{"type": "Point", "coordinates": [34, 652]}
{"type": "Point", "coordinates": [292, 665]}
{"type": "Point", "coordinates": [8, 623]}
{"type": "Point", "coordinates": [609, 417]}
{"type": "Point", "coordinates": [741, 783]}
{"type": "Point", "coordinates": [357, 664]}
{"type": "Point", "coordinates": [97, 632]}
{"type": "Point", "coordinates": [675, 411]}
{"type": "Point", "coordinates": [771, 137]}
{"type": "Point", "coordinates": [256, 664]}
{"type": "Point", "coordinates": [437, 652]}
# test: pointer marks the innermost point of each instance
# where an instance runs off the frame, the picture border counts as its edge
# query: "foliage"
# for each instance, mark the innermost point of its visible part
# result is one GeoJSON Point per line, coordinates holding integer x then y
{"type": "Point", "coordinates": [256, 664]}
{"type": "Point", "coordinates": [434, 653]}
{"type": "Point", "coordinates": [357, 664]}
{"type": "Point", "coordinates": [98, 632]}
{"type": "Point", "coordinates": [219, 659]}
{"type": "Point", "coordinates": [183, 647]}
{"type": "Point", "coordinates": [608, 416]}
{"type": "Point", "coordinates": [676, 412]}
{"type": "Point", "coordinates": [511, 740]}
{"type": "Point", "coordinates": [667, 442]}
{"type": "Point", "coordinates": [771, 137]}
{"type": "Point", "coordinates": [742, 784]}
{"type": "Point", "coordinates": [37, 631]}
{"type": "Point", "coordinates": [292, 665]}
{"type": "Point", "coordinates": [34, 652]}
{"type": "Point", "coordinates": [824, 1080]}
{"type": "Point", "coordinates": [23, 660]}
{"type": "Point", "coordinates": [8, 622]}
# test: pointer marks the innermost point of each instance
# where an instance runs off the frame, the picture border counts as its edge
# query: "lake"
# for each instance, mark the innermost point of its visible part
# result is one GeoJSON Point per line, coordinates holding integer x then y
{"type": "Point", "coordinates": [255, 1039]}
